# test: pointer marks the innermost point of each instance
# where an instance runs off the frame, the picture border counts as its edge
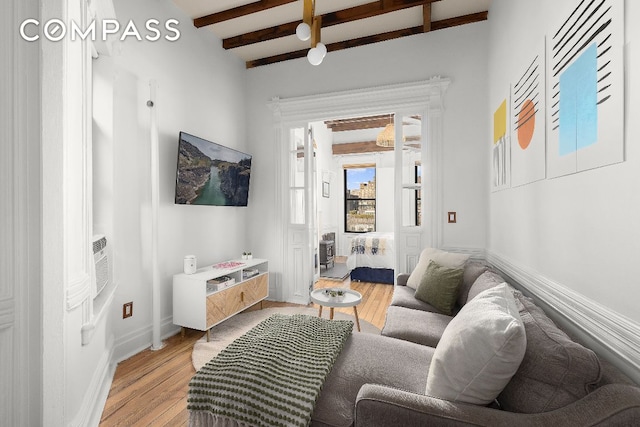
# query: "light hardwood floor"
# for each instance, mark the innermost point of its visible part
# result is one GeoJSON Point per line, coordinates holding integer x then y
{"type": "Point", "coordinates": [150, 388]}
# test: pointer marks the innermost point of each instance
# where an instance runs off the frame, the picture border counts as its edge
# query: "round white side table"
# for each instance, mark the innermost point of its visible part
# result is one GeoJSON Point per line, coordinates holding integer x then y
{"type": "Point", "coordinates": [351, 298]}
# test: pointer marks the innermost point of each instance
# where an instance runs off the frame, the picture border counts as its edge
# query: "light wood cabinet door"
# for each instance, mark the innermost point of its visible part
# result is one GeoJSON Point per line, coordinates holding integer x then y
{"type": "Point", "coordinates": [234, 299]}
{"type": "Point", "coordinates": [255, 289]}
{"type": "Point", "coordinates": [216, 308]}
{"type": "Point", "coordinates": [230, 301]}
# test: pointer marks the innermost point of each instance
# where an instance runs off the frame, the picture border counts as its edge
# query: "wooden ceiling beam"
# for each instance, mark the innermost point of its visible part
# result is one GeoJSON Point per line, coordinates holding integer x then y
{"type": "Point", "coordinates": [357, 123]}
{"type": "Point", "coordinates": [365, 147]}
{"type": "Point", "coordinates": [459, 20]}
{"type": "Point", "coordinates": [237, 12]}
{"type": "Point", "coordinates": [346, 44]}
{"type": "Point", "coordinates": [366, 122]}
{"type": "Point", "coordinates": [351, 14]}
{"type": "Point", "coordinates": [358, 147]}
{"type": "Point", "coordinates": [426, 18]}
{"type": "Point", "coordinates": [369, 10]}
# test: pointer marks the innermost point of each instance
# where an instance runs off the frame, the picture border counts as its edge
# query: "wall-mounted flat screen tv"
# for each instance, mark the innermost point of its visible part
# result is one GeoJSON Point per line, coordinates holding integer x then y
{"type": "Point", "coordinates": [211, 174]}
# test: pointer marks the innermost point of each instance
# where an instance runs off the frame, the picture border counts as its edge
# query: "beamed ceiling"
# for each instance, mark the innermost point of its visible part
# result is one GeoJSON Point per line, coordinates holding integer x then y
{"type": "Point", "coordinates": [357, 135]}
{"type": "Point", "coordinates": [263, 32]}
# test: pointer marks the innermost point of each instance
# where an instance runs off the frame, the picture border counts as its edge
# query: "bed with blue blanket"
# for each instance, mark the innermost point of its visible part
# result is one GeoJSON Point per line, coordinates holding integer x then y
{"type": "Point", "coordinates": [372, 258]}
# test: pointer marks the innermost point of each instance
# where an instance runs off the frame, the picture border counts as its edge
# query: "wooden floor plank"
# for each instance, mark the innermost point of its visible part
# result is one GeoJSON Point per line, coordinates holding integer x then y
{"type": "Point", "coordinates": [150, 388]}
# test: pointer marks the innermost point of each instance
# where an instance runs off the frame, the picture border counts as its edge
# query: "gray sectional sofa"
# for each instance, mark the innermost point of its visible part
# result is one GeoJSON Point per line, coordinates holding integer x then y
{"type": "Point", "coordinates": [382, 380]}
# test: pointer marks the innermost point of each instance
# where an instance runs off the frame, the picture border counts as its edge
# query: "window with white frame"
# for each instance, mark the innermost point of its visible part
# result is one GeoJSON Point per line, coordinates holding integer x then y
{"type": "Point", "coordinates": [359, 198]}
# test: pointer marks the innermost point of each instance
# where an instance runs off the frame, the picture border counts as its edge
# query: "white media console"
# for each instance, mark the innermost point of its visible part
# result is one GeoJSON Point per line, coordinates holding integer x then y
{"type": "Point", "coordinates": [213, 294]}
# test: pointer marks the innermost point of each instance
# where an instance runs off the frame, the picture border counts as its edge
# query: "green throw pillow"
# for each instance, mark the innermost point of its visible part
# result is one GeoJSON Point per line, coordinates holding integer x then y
{"type": "Point", "coordinates": [439, 287]}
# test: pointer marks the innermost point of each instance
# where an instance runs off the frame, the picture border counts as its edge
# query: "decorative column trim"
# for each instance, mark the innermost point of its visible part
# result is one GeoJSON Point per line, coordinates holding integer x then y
{"type": "Point", "coordinates": [279, 177]}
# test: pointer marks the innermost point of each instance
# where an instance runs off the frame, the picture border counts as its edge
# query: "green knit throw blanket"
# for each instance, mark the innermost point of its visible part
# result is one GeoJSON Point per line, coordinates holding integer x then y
{"type": "Point", "coordinates": [270, 376]}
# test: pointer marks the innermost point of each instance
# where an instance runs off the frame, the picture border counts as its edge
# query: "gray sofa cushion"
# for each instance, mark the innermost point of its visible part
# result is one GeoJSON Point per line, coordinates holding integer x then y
{"type": "Point", "coordinates": [444, 258]}
{"type": "Point", "coordinates": [439, 287]}
{"type": "Point", "coordinates": [485, 281]}
{"type": "Point", "coordinates": [472, 270]}
{"type": "Point", "coordinates": [555, 371]}
{"type": "Point", "coordinates": [369, 358]}
{"type": "Point", "coordinates": [421, 327]}
{"type": "Point", "coordinates": [404, 296]}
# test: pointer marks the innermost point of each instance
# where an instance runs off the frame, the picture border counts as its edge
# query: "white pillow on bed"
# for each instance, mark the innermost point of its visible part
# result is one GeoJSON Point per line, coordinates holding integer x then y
{"type": "Point", "coordinates": [445, 259]}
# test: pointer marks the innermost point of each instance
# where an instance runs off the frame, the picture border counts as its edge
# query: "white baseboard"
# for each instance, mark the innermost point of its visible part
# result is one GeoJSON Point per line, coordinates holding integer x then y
{"type": "Point", "coordinates": [102, 395]}
{"type": "Point", "coordinates": [138, 340]}
{"type": "Point", "coordinates": [98, 390]}
{"type": "Point", "coordinates": [610, 333]}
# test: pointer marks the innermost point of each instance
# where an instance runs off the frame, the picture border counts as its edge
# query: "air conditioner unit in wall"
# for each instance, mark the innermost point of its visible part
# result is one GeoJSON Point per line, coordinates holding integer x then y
{"type": "Point", "coordinates": [101, 262]}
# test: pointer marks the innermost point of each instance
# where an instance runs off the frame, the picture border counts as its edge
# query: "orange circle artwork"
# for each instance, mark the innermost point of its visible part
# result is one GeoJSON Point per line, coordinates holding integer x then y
{"type": "Point", "coordinates": [525, 131]}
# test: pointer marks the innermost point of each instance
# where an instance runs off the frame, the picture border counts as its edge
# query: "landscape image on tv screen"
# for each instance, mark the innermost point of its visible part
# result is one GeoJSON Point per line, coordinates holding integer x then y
{"type": "Point", "coordinates": [211, 174]}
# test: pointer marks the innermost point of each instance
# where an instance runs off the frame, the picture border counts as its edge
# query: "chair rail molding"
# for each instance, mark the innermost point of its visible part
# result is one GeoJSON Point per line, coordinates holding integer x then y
{"type": "Point", "coordinates": [476, 254]}
{"type": "Point", "coordinates": [611, 332]}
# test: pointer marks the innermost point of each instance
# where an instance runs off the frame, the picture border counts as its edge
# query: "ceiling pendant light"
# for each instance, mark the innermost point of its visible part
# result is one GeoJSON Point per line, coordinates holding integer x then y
{"type": "Point", "coordinates": [318, 50]}
{"type": "Point", "coordinates": [303, 31]}
{"type": "Point", "coordinates": [314, 56]}
{"type": "Point", "coordinates": [387, 136]}
{"type": "Point", "coordinates": [309, 28]}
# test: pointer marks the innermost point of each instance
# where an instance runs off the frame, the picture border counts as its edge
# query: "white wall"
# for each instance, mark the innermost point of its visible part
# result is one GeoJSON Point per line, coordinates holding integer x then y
{"type": "Point", "coordinates": [200, 91]}
{"type": "Point", "coordinates": [21, 343]}
{"type": "Point", "coordinates": [457, 53]}
{"type": "Point", "coordinates": [581, 231]}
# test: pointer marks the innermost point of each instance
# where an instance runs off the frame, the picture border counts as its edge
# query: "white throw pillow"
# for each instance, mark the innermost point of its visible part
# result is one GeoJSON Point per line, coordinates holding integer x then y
{"type": "Point", "coordinates": [480, 350]}
{"type": "Point", "coordinates": [445, 259]}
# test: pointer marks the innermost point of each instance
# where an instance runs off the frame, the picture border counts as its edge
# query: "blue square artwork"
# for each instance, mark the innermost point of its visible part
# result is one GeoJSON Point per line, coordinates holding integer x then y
{"type": "Point", "coordinates": [579, 103]}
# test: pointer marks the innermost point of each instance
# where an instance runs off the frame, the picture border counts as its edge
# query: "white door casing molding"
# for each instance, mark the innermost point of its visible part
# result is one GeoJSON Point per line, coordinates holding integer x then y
{"type": "Point", "coordinates": [77, 176]}
{"type": "Point", "coordinates": [426, 95]}
{"type": "Point", "coordinates": [279, 176]}
{"type": "Point", "coordinates": [435, 179]}
{"type": "Point", "coordinates": [414, 95]}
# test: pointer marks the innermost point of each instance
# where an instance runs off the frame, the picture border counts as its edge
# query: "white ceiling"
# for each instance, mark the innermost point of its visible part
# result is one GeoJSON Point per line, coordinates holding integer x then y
{"type": "Point", "coordinates": [405, 18]}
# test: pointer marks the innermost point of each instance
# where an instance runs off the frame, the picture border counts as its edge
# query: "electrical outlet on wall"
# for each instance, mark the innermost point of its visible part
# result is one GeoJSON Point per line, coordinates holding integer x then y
{"type": "Point", "coordinates": [127, 310]}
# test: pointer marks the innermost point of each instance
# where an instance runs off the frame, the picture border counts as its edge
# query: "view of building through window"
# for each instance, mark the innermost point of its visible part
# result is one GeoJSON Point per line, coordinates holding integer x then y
{"type": "Point", "coordinates": [360, 199]}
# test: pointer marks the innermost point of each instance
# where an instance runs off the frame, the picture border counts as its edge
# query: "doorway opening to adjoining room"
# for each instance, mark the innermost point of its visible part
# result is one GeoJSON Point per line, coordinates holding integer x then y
{"type": "Point", "coordinates": [304, 182]}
